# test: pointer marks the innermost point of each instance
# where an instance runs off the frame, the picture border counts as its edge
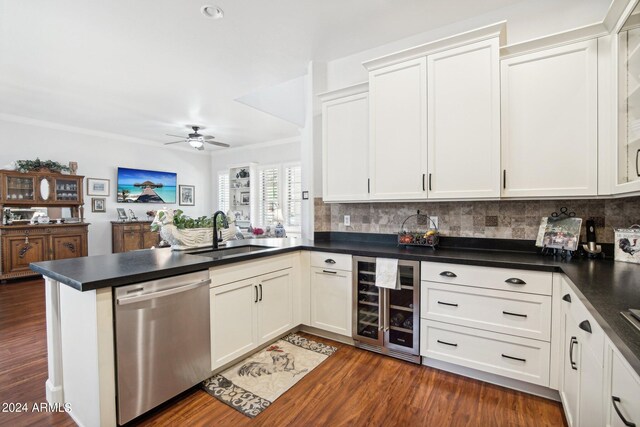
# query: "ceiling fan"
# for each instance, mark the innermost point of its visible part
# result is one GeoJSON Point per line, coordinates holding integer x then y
{"type": "Point", "coordinates": [196, 139]}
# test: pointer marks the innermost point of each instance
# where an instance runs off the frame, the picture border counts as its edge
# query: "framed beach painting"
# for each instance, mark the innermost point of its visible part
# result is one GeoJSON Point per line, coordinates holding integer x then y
{"type": "Point", "coordinates": [145, 186]}
{"type": "Point", "coordinates": [187, 195]}
{"type": "Point", "coordinates": [98, 187]}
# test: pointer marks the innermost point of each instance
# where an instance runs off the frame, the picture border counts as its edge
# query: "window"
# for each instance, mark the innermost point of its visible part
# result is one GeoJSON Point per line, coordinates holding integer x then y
{"type": "Point", "coordinates": [269, 195]}
{"type": "Point", "coordinates": [223, 191]}
{"type": "Point", "coordinates": [292, 196]}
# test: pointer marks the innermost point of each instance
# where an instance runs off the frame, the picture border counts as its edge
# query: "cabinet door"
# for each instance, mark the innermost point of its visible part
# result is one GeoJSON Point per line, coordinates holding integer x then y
{"type": "Point", "coordinates": [131, 241]}
{"type": "Point", "coordinates": [591, 410]}
{"type": "Point", "coordinates": [549, 122]}
{"type": "Point", "coordinates": [331, 307]}
{"type": "Point", "coordinates": [20, 188]}
{"type": "Point", "coordinates": [570, 385]}
{"type": "Point", "coordinates": [22, 252]}
{"type": "Point", "coordinates": [464, 122]}
{"type": "Point", "coordinates": [233, 321]}
{"type": "Point", "coordinates": [345, 148]}
{"type": "Point", "coordinates": [398, 131]}
{"type": "Point", "coordinates": [625, 389]}
{"type": "Point", "coordinates": [275, 310]}
{"type": "Point", "coordinates": [149, 239]}
{"type": "Point", "coordinates": [67, 246]}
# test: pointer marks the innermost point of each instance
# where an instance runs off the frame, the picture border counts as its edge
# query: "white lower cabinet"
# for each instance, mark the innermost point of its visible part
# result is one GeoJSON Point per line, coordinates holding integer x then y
{"type": "Point", "coordinates": [248, 313]}
{"type": "Point", "coordinates": [624, 396]}
{"type": "Point", "coordinates": [514, 357]}
{"type": "Point", "coordinates": [582, 372]}
{"type": "Point", "coordinates": [331, 292]}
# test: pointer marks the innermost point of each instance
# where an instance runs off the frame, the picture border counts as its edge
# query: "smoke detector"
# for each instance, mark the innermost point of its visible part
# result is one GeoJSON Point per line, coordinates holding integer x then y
{"type": "Point", "coordinates": [211, 11]}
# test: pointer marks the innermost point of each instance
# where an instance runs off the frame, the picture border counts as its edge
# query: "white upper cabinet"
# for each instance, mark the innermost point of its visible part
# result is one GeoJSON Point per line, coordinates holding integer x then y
{"type": "Point", "coordinates": [628, 148]}
{"type": "Point", "coordinates": [549, 122]}
{"type": "Point", "coordinates": [398, 130]}
{"type": "Point", "coordinates": [463, 95]}
{"type": "Point", "coordinates": [345, 144]}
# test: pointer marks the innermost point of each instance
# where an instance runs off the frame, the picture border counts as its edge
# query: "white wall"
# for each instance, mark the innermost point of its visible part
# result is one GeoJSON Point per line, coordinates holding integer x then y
{"type": "Point", "coordinates": [99, 157]}
{"type": "Point", "coordinates": [525, 21]}
{"type": "Point", "coordinates": [268, 153]}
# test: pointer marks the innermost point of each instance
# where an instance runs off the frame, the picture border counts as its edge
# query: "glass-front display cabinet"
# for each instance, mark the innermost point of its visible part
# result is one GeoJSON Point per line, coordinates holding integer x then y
{"type": "Point", "coordinates": [628, 166]}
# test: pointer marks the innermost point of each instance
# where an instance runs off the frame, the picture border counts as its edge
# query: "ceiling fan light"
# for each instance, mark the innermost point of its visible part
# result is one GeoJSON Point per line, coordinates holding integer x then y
{"type": "Point", "coordinates": [196, 142]}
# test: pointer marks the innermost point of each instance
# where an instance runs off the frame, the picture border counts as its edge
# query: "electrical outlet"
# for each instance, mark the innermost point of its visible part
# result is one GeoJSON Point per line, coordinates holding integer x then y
{"type": "Point", "coordinates": [347, 220]}
{"type": "Point", "coordinates": [435, 222]}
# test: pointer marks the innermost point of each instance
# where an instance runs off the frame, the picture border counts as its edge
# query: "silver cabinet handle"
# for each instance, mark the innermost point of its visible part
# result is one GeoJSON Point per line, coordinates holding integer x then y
{"type": "Point", "coordinates": [160, 294]}
{"type": "Point", "coordinates": [330, 261]}
{"type": "Point", "coordinates": [515, 281]}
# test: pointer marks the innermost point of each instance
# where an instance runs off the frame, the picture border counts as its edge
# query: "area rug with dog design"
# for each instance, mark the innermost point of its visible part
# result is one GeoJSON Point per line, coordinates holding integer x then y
{"type": "Point", "coordinates": [256, 382]}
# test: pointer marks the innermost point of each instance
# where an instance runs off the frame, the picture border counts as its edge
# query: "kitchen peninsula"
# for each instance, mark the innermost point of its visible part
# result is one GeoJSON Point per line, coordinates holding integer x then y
{"type": "Point", "coordinates": [80, 308]}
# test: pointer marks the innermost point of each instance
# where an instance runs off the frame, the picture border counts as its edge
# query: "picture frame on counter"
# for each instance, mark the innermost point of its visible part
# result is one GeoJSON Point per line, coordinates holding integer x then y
{"type": "Point", "coordinates": [98, 204]}
{"type": "Point", "coordinates": [98, 187]}
{"type": "Point", "coordinates": [122, 214]}
{"type": "Point", "coordinates": [187, 195]}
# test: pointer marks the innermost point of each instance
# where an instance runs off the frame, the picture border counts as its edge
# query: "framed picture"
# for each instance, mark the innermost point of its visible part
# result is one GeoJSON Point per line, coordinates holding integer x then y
{"type": "Point", "coordinates": [562, 233]}
{"type": "Point", "coordinates": [244, 198]}
{"type": "Point", "coordinates": [187, 195]}
{"type": "Point", "coordinates": [98, 204]}
{"type": "Point", "coordinates": [97, 187]}
{"type": "Point", "coordinates": [122, 214]}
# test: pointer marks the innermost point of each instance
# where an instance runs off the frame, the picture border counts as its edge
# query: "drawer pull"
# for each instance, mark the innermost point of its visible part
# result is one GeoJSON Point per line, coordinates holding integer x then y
{"type": "Point", "coordinates": [330, 272]}
{"type": "Point", "coordinates": [615, 400]}
{"type": "Point", "coordinates": [506, 356]}
{"type": "Point", "coordinates": [574, 341]}
{"type": "Point", "coordinates": [448, 274]}
{"type": "Point", "coordinates": [447, 343]}
{"type": "Point", "coordinates": [330, 261]}
{"type": "Point", "coordinates": [566, 298]}
{"type": "Point", "coordinates": [515, 281]}
{"type": "Point", "coordinates": [447, 303]}
{"type": "Point", "coordinates": [514, 314]}
{"type": "Point", "coordinates": [585, 326]}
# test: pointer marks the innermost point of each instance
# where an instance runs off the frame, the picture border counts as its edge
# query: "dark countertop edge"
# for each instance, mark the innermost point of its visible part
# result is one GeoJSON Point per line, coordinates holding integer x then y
{"type": "Point", "coordinates": [374, 251]}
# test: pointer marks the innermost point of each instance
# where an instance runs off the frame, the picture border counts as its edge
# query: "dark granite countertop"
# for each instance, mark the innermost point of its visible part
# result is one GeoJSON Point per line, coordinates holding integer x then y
{"type": "Point", "coordinates": [604, 286]}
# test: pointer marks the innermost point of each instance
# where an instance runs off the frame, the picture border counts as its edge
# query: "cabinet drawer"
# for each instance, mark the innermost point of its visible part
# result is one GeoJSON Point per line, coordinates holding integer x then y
{"type": "Point", "coordinates": [133, 227]}
{"type": "Point", "coordinates": [514, 313]}
{"type": "Point", "coordinates": [532, 282]}
{"type": "Point", "coordinates": [331, 261]}
{"type": "Point", "coordinates": [625, 386]}
{"type": "Point", "coordinates": [519, 358]}
{"type": "Point", "coordinates": [593, 341]}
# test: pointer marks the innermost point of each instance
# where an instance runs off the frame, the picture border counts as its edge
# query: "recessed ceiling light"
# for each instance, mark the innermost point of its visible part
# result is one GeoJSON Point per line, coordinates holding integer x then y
{"type": "Point", "coordinates": [213, 12]}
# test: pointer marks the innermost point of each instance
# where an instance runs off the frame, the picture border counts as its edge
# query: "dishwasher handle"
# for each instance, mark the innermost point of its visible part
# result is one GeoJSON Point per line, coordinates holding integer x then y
{"type": "Point", "coordinates": [159, 294]}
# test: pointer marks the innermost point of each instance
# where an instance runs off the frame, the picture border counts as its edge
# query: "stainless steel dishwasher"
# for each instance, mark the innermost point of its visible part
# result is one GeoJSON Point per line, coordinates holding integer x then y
{"type": "Point", "coordinates": [162, 340]}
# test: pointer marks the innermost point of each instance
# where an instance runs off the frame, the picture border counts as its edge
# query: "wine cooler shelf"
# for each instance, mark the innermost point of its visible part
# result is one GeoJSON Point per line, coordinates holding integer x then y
{"type": "Point", "coordinates": [387, 319]}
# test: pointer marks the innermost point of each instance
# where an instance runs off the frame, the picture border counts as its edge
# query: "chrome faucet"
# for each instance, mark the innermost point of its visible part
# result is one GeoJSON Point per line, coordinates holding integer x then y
{"type": "Point", "coordinates": [225, 224]}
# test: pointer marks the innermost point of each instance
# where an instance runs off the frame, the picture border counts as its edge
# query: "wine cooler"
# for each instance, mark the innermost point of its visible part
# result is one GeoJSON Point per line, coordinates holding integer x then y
{"type": "Point", "coordinates": [387, 321]}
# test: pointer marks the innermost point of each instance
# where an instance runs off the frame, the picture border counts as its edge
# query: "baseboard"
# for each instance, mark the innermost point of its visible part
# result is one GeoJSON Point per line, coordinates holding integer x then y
{"type": "Point", "coordinates": [518, 385]}
{"type": "Point", "coordinates": [325, 334]}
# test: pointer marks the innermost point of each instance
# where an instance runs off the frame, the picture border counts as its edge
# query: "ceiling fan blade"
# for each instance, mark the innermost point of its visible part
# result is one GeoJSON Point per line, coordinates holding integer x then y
{"type": "Point", "coordinates": [176, 136]}
{"type": "Point", "coordinates": [174, 142]}
{"type": "Point", "coordinates": [208, 136]}
{"type": "Point", "coordinates": [219, 144]}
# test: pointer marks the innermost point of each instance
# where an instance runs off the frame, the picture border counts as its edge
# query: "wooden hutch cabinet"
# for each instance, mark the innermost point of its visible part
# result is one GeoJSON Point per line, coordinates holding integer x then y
{"type": "Point", "coordinates": [131, 236]}
{"type": "Point", "coordinates": [22, 243]}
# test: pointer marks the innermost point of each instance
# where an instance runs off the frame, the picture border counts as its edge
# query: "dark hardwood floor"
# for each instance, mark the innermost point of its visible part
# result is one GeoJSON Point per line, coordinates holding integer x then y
{"type": "Point", "coordinates": [354, 387]}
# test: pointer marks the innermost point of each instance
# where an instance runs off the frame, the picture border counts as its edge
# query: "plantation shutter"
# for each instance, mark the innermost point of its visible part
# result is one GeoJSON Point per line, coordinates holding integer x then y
{"type": "Point", "coordinates": [223, 191]}
{"type": "Point", "coordinates": [268, 197]}
{"type": "Point", "coordinates": [293, 196]}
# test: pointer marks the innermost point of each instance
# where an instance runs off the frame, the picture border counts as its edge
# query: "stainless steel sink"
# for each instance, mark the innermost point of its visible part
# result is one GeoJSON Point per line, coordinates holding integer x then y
{"type": "Point", "coordinates": [222, 252]}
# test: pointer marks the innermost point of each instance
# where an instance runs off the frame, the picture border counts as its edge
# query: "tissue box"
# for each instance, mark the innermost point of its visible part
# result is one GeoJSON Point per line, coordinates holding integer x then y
{"type": "Point", "coordinates": [627, 244]}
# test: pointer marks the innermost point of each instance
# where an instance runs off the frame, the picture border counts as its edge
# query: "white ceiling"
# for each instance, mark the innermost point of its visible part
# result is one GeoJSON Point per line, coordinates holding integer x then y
{"type": "Point", "coordinates": [144, 68]}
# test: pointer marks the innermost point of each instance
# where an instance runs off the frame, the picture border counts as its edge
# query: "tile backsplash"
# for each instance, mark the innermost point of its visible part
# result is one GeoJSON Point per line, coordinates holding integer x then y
{"type": "Point", "coordinates": [502, 219]}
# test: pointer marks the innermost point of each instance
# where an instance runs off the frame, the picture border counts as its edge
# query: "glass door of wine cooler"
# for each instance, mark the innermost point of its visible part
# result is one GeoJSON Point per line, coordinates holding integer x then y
{"type": "Point", "coordinates": [402, 316]}
{"type": "Point", "coordinates": [368, 302]}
